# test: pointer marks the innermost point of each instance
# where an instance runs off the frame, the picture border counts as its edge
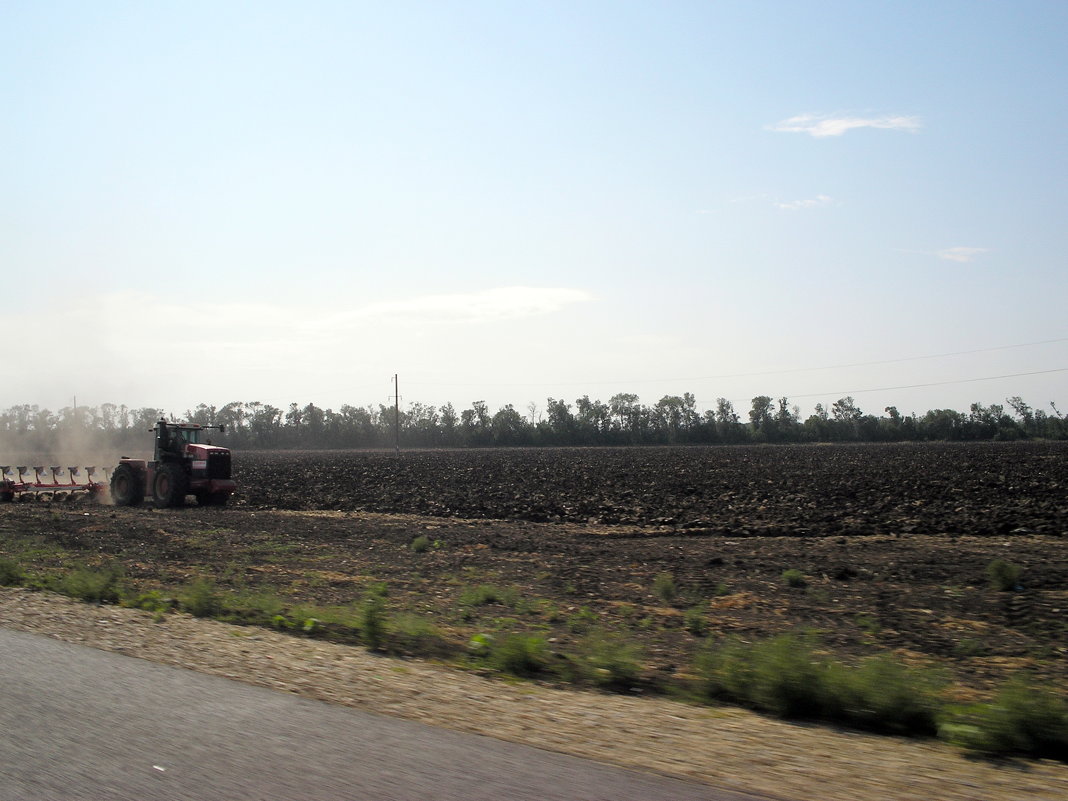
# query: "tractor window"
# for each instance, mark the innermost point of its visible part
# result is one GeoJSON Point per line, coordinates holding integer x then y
{"type": "Point", "coordinates": [190, 435]}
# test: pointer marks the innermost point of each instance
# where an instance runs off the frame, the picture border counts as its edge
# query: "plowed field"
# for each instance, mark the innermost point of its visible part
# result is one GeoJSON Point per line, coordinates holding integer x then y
{"type": "Point", "coordinates": [738, 491]}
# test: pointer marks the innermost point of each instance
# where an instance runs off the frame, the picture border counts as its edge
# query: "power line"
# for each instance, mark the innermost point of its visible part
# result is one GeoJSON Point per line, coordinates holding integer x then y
{"type": "Point", "coordinates": [843, 393]}
{"type": "Point", "coordinates": [893, 361]}
{"type": "Point", "coordinates": [787, 371]}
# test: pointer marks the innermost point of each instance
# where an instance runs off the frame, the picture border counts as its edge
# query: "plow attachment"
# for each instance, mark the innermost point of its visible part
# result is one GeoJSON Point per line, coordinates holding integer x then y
{"type": "Point", "coordinates": [58, 482]}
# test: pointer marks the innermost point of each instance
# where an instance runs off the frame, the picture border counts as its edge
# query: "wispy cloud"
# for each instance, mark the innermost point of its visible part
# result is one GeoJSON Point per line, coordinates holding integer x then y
{"type": "Point", "coordinates": [823, 125]}
{"type": "Point", "coordinates": [489, 304]}
{"type": "Point", "coordinates": [963, 255]}
{"type": "Point", "coordinates": [338, 349]}
{"type": "Point", "coordinates": [285, 329]}
{"type": "Point", "coordinates": [807, 203]}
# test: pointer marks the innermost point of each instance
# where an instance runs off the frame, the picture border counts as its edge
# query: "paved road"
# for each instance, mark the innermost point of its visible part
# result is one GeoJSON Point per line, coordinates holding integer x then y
{"type": "Point", "coordinates": [77, 723]}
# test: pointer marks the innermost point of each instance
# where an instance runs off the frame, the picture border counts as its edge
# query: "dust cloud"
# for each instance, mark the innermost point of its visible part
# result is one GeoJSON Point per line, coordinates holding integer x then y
{"type": "Point", "coordinates": [62, 449]}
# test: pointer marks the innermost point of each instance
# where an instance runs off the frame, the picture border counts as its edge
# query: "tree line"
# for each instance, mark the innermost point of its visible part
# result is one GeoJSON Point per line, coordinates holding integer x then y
{"type": "Point", "coordinates": [623, 420]}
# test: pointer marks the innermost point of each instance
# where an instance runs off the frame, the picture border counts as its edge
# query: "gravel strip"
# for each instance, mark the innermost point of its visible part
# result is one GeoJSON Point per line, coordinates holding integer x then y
{"type": "Point", "coordinates": [725, 747]}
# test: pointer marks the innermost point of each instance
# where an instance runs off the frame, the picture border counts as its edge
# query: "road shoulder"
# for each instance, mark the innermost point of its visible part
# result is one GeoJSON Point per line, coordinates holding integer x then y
{"type": "Point", "coordinates": [725, 747]}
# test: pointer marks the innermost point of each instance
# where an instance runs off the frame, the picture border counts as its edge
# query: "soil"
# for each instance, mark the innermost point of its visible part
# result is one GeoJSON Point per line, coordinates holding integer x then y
{"type": "Point", "coordinates": [893, 543]}
{"type": "Point", "coordinates": [813, 490]}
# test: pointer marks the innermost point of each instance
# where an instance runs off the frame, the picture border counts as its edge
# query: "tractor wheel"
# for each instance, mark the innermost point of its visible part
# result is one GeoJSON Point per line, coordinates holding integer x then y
{"type": "Point", "coordinates": [127, 486]}
{"type": "Point", "coordinates": [170, 485]}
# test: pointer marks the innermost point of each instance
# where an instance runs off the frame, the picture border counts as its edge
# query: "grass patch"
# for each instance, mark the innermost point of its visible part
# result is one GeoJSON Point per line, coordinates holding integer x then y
{"type": "Point", "coordinates": [373, 621]}
{"type": "Point", "coordinates": [36, 550]}
{"type": "Point", "coordinates": [582, 620]}
{"type": "Point", "coordinates": [414, 634]}
{"type": "Point", "coordinates": [11, 573]}
{"type": "Point", "coordinates": [485, 594]}
{"type": "Point", "coordinates": [489, 594]}
{"type": "Point", "coordinates": [786, 676]}
{"type": "Point", "coordinates": [521, 655]}
{"type": "Point", "coordinates": [969, 647]}
{"type": "Point", "coordinates": [794, 578]}
{"type": "Point", "coordinates": [420, 544]}
{"type": "Point", "coordinates": [93, 585]}
{"type": "Point", "coordinates": [253, 605]}
{"type": "Point", "coordinates": [882, 694]}
{"type": "Point", "coordinates": [201, 599]}
{"type": "Point", "coordinates": [1003, 576]}
{"type": "Point", "coordinates": [868, 623]}
{"type": "Point", "coordinates": [605, 659]}
{"type": "Point", "coordinates": [664, 587]}
{"type": "Point", "coordinates": [150, 601]}
{"type": "Point", "coordinates": [1021, 720]}
{"type": "Point", "coordinates": [695, 621]}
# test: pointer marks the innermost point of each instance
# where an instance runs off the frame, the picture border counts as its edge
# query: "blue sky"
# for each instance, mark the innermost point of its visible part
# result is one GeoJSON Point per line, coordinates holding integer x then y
{"type": "Point", "coordinates": [283, 202]}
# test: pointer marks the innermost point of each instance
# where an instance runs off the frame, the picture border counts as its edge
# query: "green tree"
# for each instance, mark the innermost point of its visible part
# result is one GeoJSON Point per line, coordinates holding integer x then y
{"type": "Point", "coordinates": [592, 418]}
{"type": "Point", "coordinates": [449, 425]}
{"type": "Point", "coordinates": [265, 425]}
{"type": "Point", "coordinates": [475, 425]}
{"type": "Point", "coordinates": [509, 427]}
{"type": "Point", "coordinates": [846, 410]}
{"type": "Point", "coordinates": [561, 421]}
{"type": "Point", "coordinates": [787, 420]}
{"type": "Point", "coordinates": [624, 408]}
{"type": "Point", "coordinates": [728, 424]}
{"type": "Point", "coordinates": [760, 414]}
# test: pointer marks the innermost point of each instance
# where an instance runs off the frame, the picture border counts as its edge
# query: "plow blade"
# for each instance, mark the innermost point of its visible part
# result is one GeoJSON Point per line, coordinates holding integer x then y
{"type": "Point", "coordinates": [56, 482]}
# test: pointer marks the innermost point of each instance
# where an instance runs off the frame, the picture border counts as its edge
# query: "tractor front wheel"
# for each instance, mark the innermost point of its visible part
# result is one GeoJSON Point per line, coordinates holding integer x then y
{"type": "Point", "coordinates": [127, 486]}
{"type": "Point", "coordinates": [170, 485]}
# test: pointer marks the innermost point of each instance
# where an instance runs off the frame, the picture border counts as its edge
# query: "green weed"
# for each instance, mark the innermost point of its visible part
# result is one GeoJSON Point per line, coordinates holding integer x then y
{"type": "Point", "coordinates": [868, 623]}
{"type": "Point", "coordinates": [607, 660]}
{"type": "Point", "coordinates": [201, 599]}
{"type": "Point", "coordinates": [786, 676]}
{"type": "Point", "coordinates": [882, 694]}
{"type": "Point", "coordinates": [1021, 720]}
{"type": "Point", "coordinates": [1003, 576]}
{"type": "Point", "coordinates": [94, 585]}
{"type": "Point", "coordinates": [150, 601]}
{"type": "Point", "coordinates": [488, 594]}
{"type": "Point", "coordinates": [11, 573]}
{"type": "Point", "coordinates": [373, 621]}
{"type": "Point", "coordinates": [580, 621]}
{"type": "Point", "coordinates": [519, 655]}
{"type": "Point", "coordinates": [969, 647]}
{"type": "Point", "coordinates": [664, 587]}
{"type": "Point", "coordinates": [414, 634]}
{"type": "Point", "coordinates": [695, 621]}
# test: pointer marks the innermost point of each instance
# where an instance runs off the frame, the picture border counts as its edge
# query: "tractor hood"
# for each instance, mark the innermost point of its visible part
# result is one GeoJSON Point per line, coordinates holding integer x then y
{"type": "Point", "coordinates": [198, 451]}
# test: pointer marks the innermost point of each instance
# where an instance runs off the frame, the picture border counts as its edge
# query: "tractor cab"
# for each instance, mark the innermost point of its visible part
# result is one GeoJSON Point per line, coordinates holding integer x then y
{"type": "Point", "coordinates": [173, 440]}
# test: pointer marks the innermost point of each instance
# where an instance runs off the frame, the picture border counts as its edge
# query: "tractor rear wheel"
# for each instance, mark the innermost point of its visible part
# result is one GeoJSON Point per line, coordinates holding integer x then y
{"type": "Point", "coordinates": [170, 485]}
{"type": "Point", "coordinates": [127, 486]}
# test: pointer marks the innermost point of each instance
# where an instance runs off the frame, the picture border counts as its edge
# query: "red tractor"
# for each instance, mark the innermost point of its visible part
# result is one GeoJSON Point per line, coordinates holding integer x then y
{"type": "Point", "coordinates": [181, 465]}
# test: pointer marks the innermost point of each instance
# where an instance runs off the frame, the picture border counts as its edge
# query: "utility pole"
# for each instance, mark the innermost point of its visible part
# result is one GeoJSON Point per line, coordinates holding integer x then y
{"type": "Point", "coordinates": [396, 412]}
